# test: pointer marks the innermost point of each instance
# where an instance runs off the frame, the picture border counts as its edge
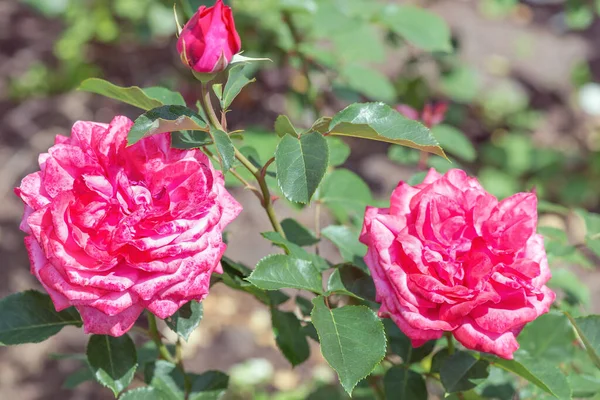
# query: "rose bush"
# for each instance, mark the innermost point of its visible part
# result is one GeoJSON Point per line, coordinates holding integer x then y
{"type": "Point", "coordinates": [447, 256]}
{"type": "Point", "coordinates": [114, 229]}
{"type": "Point", "coordinates": [209, 40]}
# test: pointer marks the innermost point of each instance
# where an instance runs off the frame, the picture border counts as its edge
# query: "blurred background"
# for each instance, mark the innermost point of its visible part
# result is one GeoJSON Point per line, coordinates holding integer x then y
{"type": "Point", "coordinates": [522, 84]}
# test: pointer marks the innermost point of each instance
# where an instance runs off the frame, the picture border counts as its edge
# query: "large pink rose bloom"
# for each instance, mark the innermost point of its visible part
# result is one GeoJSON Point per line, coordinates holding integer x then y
{"type": "Point", "coordinates": [448, 256]}
{"type": "Point", "coordinates": [114, 229]}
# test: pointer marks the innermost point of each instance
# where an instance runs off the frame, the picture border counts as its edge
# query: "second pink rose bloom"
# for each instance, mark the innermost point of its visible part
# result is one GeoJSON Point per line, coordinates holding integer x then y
{"type": "Point", "coordinates": [209, 40]}
{"type": "Point", "coordinates": [447, 256]}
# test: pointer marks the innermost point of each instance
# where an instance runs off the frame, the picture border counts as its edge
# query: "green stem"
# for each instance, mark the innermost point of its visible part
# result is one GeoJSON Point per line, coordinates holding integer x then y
{"type": "Point", "coordinates": [155, 335]}
{"type": "Point", "coordinates": [450, 342]}
{"type": "Point", "coordinates": [208, 108]}
{"type": "Point", "coordinates": [266, 195]}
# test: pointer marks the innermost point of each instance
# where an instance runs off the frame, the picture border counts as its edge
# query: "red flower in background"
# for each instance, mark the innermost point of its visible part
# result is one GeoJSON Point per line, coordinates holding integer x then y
{"type": "Point", "coordinates": [433, 113]}
{"type": "Point", "coordinates": [209, 40]}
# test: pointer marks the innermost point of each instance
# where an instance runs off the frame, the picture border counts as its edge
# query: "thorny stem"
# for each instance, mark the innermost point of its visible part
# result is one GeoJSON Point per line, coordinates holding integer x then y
{"type": "Point", "coordinates": [267, 203]}
{"type": "Point", "coordinates": [155, 335]}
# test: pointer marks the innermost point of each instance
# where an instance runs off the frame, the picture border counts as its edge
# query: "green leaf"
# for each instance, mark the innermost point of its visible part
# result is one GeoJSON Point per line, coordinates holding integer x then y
{"type": "Point", "coordinates": [345, 193]}
{"type": "Point", "coordinates": [236, 81]}
{"type": "Point", "coordinates": [592, 225]}
{"type": "Point", "coordinates": [113, 360]}
{"type": "Point", "coordinates": [165, 96]}
{"type": "Point", "coordinates": [369, 82]}
{"type": "Point", "coordinates": [131, 95]}
{"type": "Point", "coordinates": [419, 27]}
{"type": "Point", "coordinates": [144, 393]}
{"type": "Point", "coordinates": [30, 317]}
{"type": "Point", "coordinates": [400, 344]}
{"type": "Point", "coordinates": [454, 142]}
{"type": "Point", "coordinates": [357, 281]}
{"type": "Point", "coordinates": [190, 139]}
{"type": "Point", "coordinates": [438, 360]}
{"type": "Point", "coordinates": [296, 251]}
{"type": "Point", "coordinates": [461, 372]}
{"type": "Point", "coordinates": [301, 165]}
{"type": "Point", "coordinates": [338, 151]}
{"type": "Point", "coordinates": [403, 384]}
{"type": "Point", "coordinates": [165, 119]}
{"type": "Point", "coordinates": [289, 336]}
{"type": "Point", "coordinates": [279, 271]}
{"type": "Point", "coordinates": [167, 378]}
{"type": "Point", "coordinates": [346, 240]}
{"type": "Point", "coordinates": [225, 148]}
{"type": "Point", "coordinates": [210, 385]}
{"type": "Point", "coordinates": [541, 373]}
{"type": "Point", "coordinates": [588, 329]}
{"type": "Point", "coordinates": [549, 337]}
{"type": "Point", "coordinates": [283, 126]}
{"type": "Point", "coordinates": [298, 233]}
{"type": "Point", "coordinates": [235, 274]}
{"type": "Point", "coordinates": [352, 340]}
{"type": "Point", "coordinates": [335, 285]}
{"type": "Point", "coordinates": [378, 121]}
{"type": "Point", "coordinates": [186, 319]}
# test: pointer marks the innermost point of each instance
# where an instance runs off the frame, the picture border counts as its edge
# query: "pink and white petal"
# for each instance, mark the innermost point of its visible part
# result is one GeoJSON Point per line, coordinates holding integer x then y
{"type": "Point", "coordinates": [164, 308]}
{"type": "Point", "coordinates": [114, 303]}
{"type": "Point", "coordinates": [38, 260]}
{"type": "Point", "coordinates": [98, 323]}
{"type": "Point", "coordinates": [418, 337]}
{"type": "Point", "coordinates": [475, 338]}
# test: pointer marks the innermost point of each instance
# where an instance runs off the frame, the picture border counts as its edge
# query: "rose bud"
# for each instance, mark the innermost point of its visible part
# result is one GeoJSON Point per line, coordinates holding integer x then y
{"type": "Point", "coordinates": [114, 230]}
{"type": "Point", "coordinates": [433, 113]}
{"type": "Point", "coordinates": [447, 256]}
{"type": "Point", "coordinates": [209, 40]}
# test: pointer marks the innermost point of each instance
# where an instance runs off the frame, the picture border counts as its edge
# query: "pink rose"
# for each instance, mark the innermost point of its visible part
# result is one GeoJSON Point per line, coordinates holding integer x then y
{"type": "Point", "coordinates": [433, 113]}
{"type": "Point", "coordinates": [115, 229]}
{"type": "Point", "coordinates": [448, 256]}
{"type": "Point", "coordinates": [209, 40]}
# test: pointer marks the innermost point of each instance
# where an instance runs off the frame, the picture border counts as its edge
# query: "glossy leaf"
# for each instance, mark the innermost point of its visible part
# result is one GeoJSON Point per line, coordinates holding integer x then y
{"type": "Point", "coordinates": [281, 271]}
{"type": "Point", "coordinates": [588, 329]}
{"type": "Point", "coordinates": [352, 340]}
{"type": "Point", "coordinates": [419, 27]}
{"type": "Point", "coordinates": [165, 96]}
{"type": "Point", "coordinates": [235, 274]}
{"type": "Point", "coordinates": [461, 371]}
{"type": "Point", "coordinates": [283, 126]}
{"type": "Point", "coordinates": [378, 121]}
{"type": "Point", "coordinates": [210, 385]}
{"type": "Point", "coordinates": [301, 165]}
{"type": "Point", "coordinates": [544, 375]}
{"type": "Point", "coordinates": [289, 336]}
{"type": "Point", "coordinates": [30, 317]}
{"type": "Point", "coordinates": [186, 319]}
{"type": "Point", "coordinates": [113, 360]}
{"type": "Point", "coordinates": [404, 384]}
{"type": "Point", "coordinates": [298, 233]}
{"type": "Point", "coordinates": [236, 81]}
{"type": "Point", "coordinates": [225, 148]}
{"type": "Point", "coordinates": [146, 99]}
{"type": "Point", "coordinates": [165, 119]}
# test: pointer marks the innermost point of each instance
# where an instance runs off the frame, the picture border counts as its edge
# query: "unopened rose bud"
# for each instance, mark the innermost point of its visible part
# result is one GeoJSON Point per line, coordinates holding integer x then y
{"type": "Point", "coordinates": [209, 40]}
